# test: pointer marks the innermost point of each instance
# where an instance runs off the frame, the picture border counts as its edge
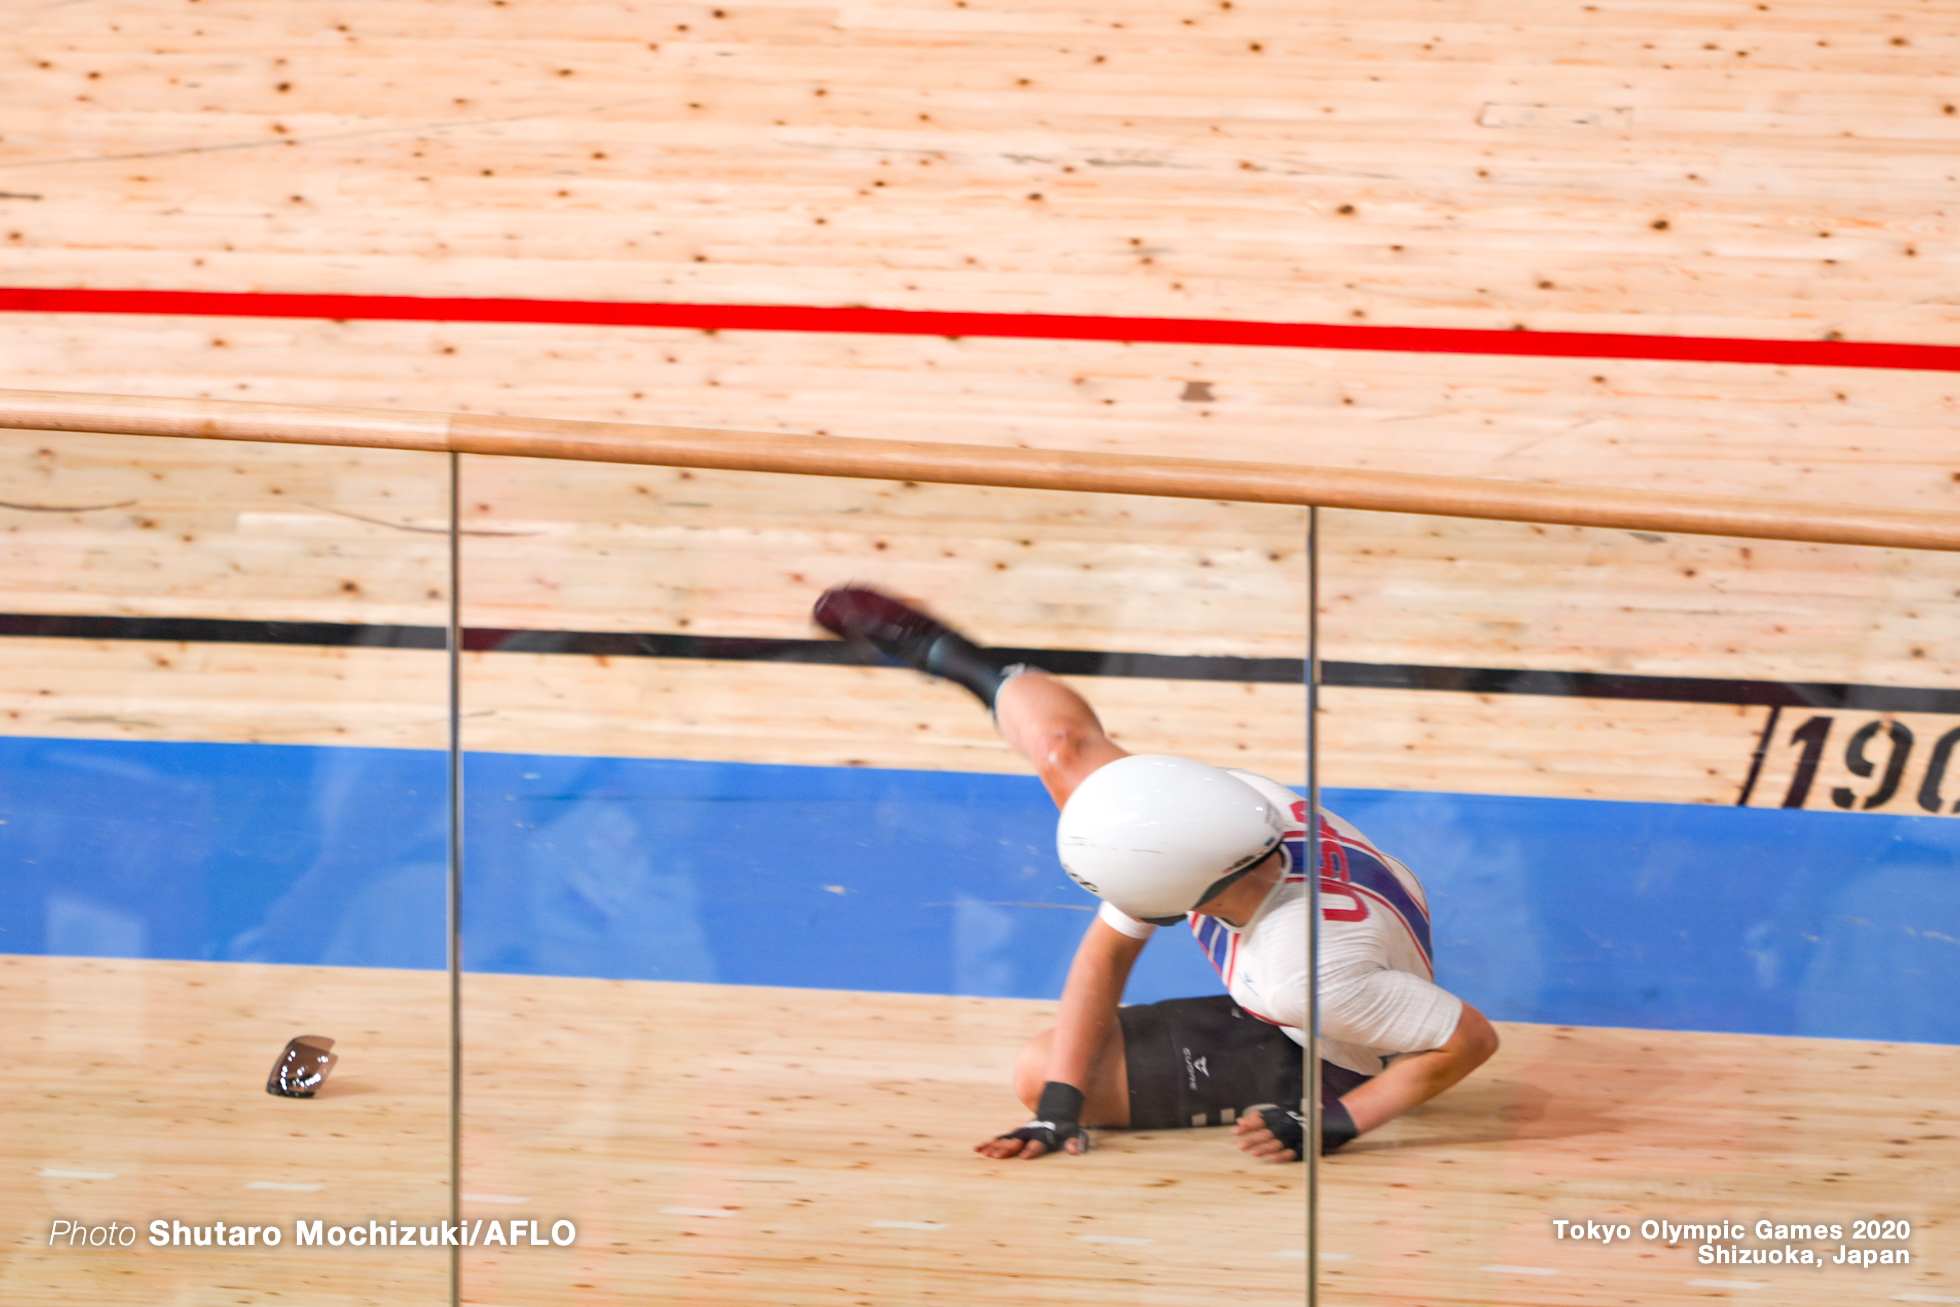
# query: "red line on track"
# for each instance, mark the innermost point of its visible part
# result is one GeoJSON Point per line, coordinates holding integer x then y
{"type": "Point", "coordinates": [1025, 326]}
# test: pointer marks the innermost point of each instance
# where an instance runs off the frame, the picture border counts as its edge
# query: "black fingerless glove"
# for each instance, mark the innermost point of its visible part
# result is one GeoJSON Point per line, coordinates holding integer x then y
{"type": "Point", "coordinates": [1057, 1119]}
{"type": "Point", "coordinates": [1286, 1123]}
{"type": "Point", "coordinates": [1289, 1126]}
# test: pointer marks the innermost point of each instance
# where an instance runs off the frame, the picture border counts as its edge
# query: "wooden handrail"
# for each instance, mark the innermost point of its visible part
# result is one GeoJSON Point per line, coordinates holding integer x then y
{"type": "Point", "coordinates": [984, 465]}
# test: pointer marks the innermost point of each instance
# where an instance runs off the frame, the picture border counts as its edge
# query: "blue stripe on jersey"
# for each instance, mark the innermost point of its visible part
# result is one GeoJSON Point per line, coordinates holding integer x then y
{"type": "Point", "coordinates": [1344, 861]}
{"type": "Point", "coordinates": [1363, 868]}
{"type": "Point", "coordinates": [1214, 939]}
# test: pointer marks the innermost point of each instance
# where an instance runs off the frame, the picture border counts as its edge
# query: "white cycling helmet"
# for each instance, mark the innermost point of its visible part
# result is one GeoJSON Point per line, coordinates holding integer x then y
{"type": "Point", "coordinates": [1155, 835]}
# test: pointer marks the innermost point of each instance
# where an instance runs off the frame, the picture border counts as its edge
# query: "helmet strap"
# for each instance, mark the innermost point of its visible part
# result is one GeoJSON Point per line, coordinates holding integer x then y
{"type": "Point", "coordinates": [1216, 888]}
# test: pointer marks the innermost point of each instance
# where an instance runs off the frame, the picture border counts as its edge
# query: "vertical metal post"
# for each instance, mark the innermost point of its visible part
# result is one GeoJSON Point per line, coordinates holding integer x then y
{"type": "Point", "coordinates": [455, 922]}
{"type": "Point", "coordinates": [1311, 1143]}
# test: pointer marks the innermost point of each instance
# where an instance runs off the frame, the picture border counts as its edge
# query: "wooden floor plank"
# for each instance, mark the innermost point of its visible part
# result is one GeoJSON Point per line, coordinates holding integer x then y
{"type": "Point", "coordinates": [809, 1117]}
{"type": "Point", "coordinates": [1672, 169]}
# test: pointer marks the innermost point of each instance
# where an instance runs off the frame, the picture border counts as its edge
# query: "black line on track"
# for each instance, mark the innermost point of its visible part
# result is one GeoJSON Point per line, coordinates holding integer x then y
{"type": "Point", "coordinates": [1756, 758]}
{"type": "Point", "coordinates": [1069, 662]}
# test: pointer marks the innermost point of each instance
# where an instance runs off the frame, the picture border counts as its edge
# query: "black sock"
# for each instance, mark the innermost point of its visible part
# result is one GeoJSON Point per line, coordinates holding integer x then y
{"type": "Point", "coordinates": [964, 663]}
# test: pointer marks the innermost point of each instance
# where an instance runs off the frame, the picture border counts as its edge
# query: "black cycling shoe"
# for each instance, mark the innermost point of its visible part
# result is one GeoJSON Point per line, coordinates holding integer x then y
{"type": "Point", "coordinates": [878, 623]}
{"type": "Point", "coordinates": [893, 628]}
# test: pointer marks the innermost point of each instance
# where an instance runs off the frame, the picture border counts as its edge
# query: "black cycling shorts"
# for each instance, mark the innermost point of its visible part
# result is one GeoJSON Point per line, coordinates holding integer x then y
{"type": "Point", "coordinates": [1202, 1061]}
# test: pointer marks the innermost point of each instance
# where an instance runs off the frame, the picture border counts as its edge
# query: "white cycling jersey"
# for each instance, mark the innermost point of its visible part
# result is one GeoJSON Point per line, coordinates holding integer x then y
{"type": "Point", "coordinates": [1378, 995]}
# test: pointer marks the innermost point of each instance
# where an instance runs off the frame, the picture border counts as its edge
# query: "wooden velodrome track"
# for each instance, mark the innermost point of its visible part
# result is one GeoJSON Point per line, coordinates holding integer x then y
{"type": "Point", "coordinates": [810, 1147]}
{"type": "Point", "coordinates": [1727, 169]}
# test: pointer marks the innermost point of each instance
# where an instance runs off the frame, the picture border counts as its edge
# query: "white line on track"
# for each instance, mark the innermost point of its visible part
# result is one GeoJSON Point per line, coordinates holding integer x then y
{"type": "Point", "coordinates": [54, 1173]}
